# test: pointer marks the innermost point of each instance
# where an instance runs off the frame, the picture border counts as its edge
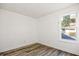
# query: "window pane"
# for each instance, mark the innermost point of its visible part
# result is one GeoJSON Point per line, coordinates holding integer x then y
{"type": "Point", "coordinates": [68, 27]}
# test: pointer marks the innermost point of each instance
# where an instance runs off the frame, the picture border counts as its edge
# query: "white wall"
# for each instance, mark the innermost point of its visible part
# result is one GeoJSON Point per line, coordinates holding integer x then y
{"type": "Point", "coordinates": [49, 31]}
{"type": "Point", "coordinates": [16, 30]}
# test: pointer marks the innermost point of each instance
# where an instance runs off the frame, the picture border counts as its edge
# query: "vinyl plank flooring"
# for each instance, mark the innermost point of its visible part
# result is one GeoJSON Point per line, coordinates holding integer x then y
{"type": "Point", "coordinates": [35, 50]}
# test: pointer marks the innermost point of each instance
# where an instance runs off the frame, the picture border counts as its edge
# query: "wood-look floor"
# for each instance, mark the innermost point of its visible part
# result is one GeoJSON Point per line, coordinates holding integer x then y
{"type": "Point", "coordinates": [35, 50]}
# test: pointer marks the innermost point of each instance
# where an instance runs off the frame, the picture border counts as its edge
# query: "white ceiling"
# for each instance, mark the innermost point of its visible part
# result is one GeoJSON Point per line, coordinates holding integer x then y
{"type": "Point", "coordinates": [34, 10]}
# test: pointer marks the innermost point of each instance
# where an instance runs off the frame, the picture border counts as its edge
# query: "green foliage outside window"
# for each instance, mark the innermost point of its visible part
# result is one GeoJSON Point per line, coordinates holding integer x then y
{"type": "Point", "coordinates": [67, 20]}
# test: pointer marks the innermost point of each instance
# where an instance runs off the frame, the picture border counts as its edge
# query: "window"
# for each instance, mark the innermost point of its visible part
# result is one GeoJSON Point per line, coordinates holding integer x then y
{"type": "Point", "coordinates": [68, 27]}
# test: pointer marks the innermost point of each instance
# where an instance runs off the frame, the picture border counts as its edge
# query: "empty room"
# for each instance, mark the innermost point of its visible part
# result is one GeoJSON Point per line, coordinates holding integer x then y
{"type": "Point", "coordinates": [39, 29]}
